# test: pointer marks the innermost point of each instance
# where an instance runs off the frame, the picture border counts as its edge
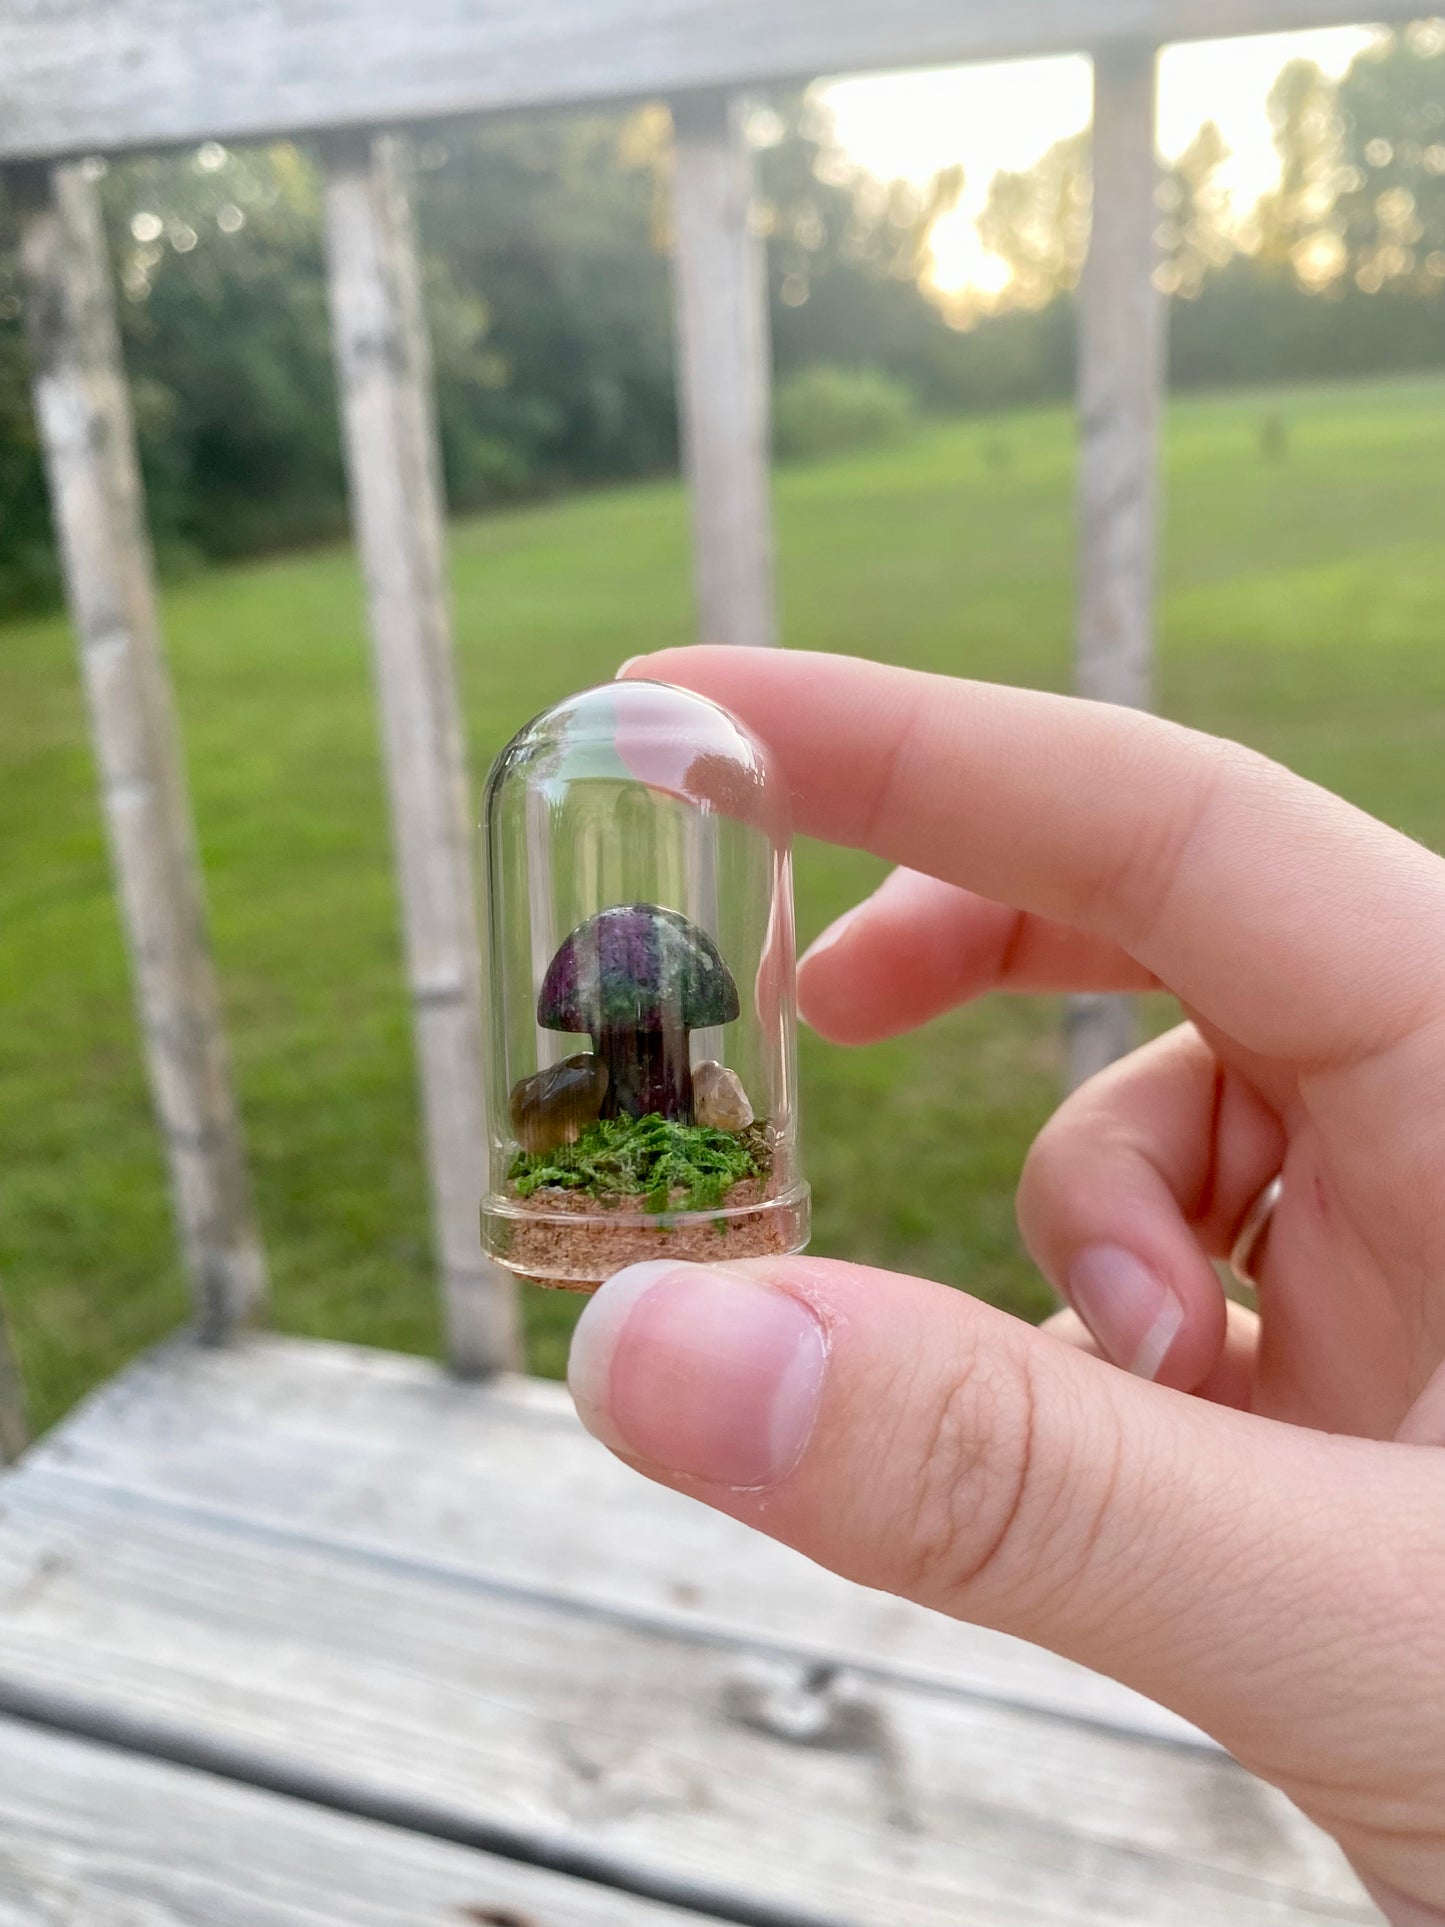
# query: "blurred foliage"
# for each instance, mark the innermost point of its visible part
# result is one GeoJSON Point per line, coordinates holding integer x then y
{"type": "Point", "coordinates": [223, 306]}
{"type": "Point", "coordinates": [1341, 270]}
{"type": "Point", "coordinates": [827, 411]}
{"type": "Point", "coordinates": [1194, 235]}
{"type": "Point", "coordinates": [846, 253]}
{"type": "Point", "coordinates": [549, 231]}
{"type": "Point", "coordinates": [28, 570]}
{"type": "Point", "coordinates": [545, 252]}
{"type": "Point", "coordinates": [1037, 223]}
{"type": "Point", "coordinates": [1306, 137]}
{"type": "Point", "coordinates": [1361, 202]}
{"type": "Point", "coordinates": [1391, 211]}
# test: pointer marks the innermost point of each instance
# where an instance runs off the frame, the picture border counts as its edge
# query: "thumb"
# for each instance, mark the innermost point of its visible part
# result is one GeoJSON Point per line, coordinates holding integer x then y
{"type": "Point", "coordinates": [919, 1442]}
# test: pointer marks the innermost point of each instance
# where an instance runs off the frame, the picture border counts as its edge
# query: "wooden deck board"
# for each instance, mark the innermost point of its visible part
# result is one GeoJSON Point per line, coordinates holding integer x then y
{"type": "Point", "coordinates": [325, 1571]}
{"type": "Point", "coordinates": [371, 1449]}
{"type": "Point", "coordinates": [93, 1837]}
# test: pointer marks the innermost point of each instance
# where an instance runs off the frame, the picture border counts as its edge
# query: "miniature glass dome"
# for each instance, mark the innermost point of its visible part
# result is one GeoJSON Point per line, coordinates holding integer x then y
{"type": "Point", "coordinates": [643, 1080]}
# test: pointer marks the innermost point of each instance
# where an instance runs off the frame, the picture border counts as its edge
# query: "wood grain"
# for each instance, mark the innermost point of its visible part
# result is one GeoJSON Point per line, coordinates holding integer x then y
{"type": "Point", "coordinates": [724, 372]}
{"type": "Point", "coordinates": [314, 1568]}
{"type": "Point", "coordinates": [384, 361]}
{"type": "Point", "coordinates": [669, 1766]}
{"type": "Point", "coordinates": [373, 1452]}
{"type": "Point", "coordinates": [82, 76]}
{"type": "Point", "coordinates": [95, 1837]}
{"type": "Point", "coordinates": [83, 410]}
{"type": "Point", "coordinates": [1121, 380]}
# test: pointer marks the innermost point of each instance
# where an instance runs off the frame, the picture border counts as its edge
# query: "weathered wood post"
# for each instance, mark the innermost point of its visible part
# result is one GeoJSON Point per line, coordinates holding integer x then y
{"type": "Point", "coordinates": [1121, 364]}
{"type": "Point", "coordinates": [384, 362]}
{"type": "Point", "coordinates": [14, 1427]}
{"type": "Point", "coordinates": [83, 409]}
{"type": "Point", "coordinates": [724, 370]}
{"type": "Point", "coordinates": [724, 388]}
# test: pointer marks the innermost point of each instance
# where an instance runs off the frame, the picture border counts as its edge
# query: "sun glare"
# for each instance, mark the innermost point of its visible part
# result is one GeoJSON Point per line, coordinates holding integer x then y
{"type": "Point", "coordinates": [1004, 116]}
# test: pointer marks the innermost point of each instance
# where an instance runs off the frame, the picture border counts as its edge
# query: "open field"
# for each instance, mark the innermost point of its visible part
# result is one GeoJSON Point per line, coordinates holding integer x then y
{"type": "Point", "coordinates": [1304, 613]}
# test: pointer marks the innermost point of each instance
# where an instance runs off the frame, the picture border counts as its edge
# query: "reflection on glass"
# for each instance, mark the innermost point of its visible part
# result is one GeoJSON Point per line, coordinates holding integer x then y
{"type": "Point", "coordinates": [643, 1088]}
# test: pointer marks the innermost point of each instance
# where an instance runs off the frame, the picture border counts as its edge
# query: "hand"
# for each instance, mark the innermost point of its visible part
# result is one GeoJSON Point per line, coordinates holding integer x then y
{"type": "Point", "coordinates": [1257, 1537]}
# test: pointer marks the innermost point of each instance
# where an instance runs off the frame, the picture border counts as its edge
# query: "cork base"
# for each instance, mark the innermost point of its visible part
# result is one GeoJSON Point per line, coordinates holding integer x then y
{"type": "Point", "coordinates": [566, 1242]}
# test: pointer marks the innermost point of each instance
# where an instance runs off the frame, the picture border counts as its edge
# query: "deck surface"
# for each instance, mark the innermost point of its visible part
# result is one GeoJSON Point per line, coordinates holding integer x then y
{"type": "Point", "coordinates": [295, 1632]}
{"type": "Point", "coordinates": [93, 1836]}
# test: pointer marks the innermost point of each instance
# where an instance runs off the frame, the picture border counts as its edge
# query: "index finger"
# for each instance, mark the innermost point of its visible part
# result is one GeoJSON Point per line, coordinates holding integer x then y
{"type": "Point", "coordinates": [1293, 921]}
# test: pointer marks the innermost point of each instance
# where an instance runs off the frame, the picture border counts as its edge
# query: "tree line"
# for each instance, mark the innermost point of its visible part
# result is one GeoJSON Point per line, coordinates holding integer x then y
{"type": "Point", "coordinates": [545, 247]}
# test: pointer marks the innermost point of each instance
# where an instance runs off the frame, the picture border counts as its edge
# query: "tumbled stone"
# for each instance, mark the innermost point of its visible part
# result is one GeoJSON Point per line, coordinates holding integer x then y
{"type": "Point", "coordinates": [718, 1098]}
{"type": "Point", "coordinates": [556, 1105]}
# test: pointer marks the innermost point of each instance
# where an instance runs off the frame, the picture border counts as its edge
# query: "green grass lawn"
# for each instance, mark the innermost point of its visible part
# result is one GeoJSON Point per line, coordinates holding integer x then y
{"type": "Point", "coordinates": [1304, 612]}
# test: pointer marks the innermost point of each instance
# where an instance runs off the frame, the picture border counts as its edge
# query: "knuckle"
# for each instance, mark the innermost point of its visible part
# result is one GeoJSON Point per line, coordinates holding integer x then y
{"type": "Point", "coordinates": [1085, 1133]}
{"type": "Point", "coordinates": [1049, 1158]}
{"type": "Point", "coordinates": [973, 1477]}
{"type": "Point", "coordinates": [1130, 893]}
{"type": "Point", "coordinates": [1108, 1125]}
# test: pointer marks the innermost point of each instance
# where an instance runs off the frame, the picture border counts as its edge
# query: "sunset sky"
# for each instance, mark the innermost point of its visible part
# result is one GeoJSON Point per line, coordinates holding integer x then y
{"type": "Point", "coordinates": [1004, 116]}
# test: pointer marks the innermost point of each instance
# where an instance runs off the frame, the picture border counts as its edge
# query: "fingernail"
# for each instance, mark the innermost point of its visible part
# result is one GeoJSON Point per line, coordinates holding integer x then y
{"type": "Point", "coordinates": [630, 663]}
{"type": "Point", "coordinates": [1132, 1313]}
{"type": "Point", "coordinates": [835, 931]}
{"type": "Point", "coordinates": [699, 1370]}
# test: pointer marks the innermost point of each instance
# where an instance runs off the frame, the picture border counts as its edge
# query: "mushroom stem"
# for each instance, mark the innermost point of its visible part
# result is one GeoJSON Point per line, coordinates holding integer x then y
{"type": "Point", "coordinates": [647, 1071]}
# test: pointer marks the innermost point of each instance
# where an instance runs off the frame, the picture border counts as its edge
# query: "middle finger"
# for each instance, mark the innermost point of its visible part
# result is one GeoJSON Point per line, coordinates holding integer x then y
{"type": "Point", "coordinates": [918, 947]}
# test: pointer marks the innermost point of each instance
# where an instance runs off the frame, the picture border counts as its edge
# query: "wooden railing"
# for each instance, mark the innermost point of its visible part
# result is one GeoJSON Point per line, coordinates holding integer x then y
{"type": "Point", "coordinates": [109, 76]}
{"type": "Point", "coordinates": [383, 360]}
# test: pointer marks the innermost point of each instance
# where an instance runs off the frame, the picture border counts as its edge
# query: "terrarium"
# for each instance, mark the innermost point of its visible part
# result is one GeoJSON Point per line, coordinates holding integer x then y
{"type": "Point", "coordinates": [643, 1066]}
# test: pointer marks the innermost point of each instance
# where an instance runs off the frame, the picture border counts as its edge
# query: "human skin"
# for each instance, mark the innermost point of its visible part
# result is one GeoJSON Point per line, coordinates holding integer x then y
{"type": "Point", "coordinates": [1247, 1521]}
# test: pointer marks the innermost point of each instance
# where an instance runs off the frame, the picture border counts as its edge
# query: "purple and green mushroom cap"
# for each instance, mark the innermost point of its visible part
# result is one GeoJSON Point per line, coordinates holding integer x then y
{"type": "Point", "coordinates": [638, 978]}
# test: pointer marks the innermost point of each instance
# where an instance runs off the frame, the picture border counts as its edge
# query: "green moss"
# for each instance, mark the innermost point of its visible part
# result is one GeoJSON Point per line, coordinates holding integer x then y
{"type": "Point", "coordinates": [648, 1158]}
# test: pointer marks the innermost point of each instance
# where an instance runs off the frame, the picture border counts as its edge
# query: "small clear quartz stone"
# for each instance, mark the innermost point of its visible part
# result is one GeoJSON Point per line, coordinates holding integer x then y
{"type": "Point", "coordinates": [718, 1098]}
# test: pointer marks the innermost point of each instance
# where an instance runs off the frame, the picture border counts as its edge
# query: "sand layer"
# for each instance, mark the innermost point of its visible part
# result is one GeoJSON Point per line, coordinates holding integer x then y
{"type": "Point", "coordinates": [593, 1242]}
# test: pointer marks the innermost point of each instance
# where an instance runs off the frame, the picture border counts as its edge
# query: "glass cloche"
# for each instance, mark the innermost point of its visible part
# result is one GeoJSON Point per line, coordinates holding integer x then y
{"type": "Point", "coordinates": [643, 1058]}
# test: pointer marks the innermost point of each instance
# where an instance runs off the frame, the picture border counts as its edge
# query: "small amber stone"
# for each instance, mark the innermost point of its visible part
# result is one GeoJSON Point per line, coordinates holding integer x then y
{"type": "Point", "coordinates": [556, 1105]}
{"type": "Point", "coordinates": [718, 1098]}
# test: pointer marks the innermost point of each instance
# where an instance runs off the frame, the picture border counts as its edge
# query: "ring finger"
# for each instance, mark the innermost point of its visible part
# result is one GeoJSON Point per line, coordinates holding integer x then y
{"type": "Point", "coordinates": [1132, 1187]}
